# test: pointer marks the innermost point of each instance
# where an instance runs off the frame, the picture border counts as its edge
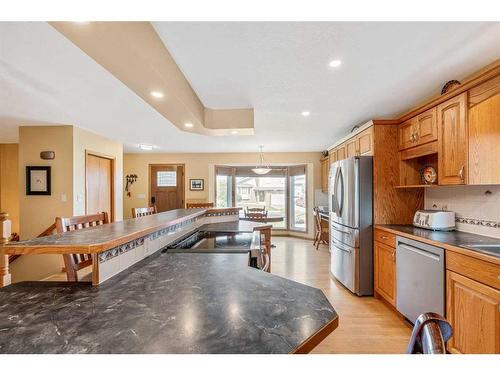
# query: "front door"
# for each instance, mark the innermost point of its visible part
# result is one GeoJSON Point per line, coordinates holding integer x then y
{"type": "Point", "coordinates": [99, 184]}
{"type": "Point", "coordinates": [167, 187]}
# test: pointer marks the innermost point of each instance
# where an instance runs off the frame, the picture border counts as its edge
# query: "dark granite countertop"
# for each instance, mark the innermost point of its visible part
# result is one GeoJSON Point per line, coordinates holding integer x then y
{"type": "Point", "coordinates": [453, 238]}
{"type": "Point", "coordinates": [167, 303]}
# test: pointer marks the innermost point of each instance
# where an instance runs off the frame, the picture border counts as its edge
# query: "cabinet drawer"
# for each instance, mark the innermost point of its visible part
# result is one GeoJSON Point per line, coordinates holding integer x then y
{"type": "Point", "coordinates": [385, 237]}
{"type": "Point", "coordinates": [476, 269]}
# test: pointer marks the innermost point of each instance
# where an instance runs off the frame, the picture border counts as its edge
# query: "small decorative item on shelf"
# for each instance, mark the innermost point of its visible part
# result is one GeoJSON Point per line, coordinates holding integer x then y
{"type": "Point", "coordinates": [428, 174]}
{"type": "Point", "coordinates": [324, 153]}
{"type": "Point", "coordinates": [450, 85]}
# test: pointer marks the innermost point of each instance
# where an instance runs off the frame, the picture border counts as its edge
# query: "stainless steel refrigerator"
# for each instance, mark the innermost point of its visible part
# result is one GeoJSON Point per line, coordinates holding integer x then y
{"type": "Point", "coordinates": [351, 218]}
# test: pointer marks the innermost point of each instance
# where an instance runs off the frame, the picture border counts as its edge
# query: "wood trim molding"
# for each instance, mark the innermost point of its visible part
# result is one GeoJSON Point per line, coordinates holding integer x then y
{"type": "Point", "coordinates": [317, 337]}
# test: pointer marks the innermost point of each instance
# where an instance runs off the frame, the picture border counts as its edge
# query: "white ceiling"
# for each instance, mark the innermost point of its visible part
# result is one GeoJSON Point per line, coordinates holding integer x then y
{"type": "Point", "coordinates": [279, 69]}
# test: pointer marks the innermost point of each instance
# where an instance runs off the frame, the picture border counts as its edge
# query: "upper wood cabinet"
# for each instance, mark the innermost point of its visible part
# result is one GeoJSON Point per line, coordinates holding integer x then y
{"type": "Point", "coordinates": [351, 147]}
{"type": "Point", "coordinates": [418, 130]}
{"type": "Point", "coordinates": [325, 168]}
{"type": "Point", "coordinates": [484, 133]}
{"type": "Point", "coordinates": [365, 142]}
{"type": "Point", "coordinates": [452, 141]}
{"type": "Point", "coordinates": [341, 152]}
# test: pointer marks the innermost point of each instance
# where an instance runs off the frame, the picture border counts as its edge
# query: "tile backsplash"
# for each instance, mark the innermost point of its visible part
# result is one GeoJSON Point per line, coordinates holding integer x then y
{"type": "Point", "coordinates": [477, 207]}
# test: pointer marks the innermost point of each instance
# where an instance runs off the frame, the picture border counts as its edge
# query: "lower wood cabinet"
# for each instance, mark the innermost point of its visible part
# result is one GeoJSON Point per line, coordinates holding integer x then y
{"type": "Point", "coordinates": [385, 271]}
{"type": "Point", "coordinates": [473, 310]}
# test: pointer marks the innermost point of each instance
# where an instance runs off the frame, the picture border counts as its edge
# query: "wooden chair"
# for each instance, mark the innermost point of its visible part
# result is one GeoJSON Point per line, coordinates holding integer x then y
{"type": "Point", "coordinates": [143, 211]}
{"type": "Point", "coordinates": [199, 205]}
{"type": "Point", "coordinates": [75, 262]}
{"type": "Point", "coordinates": [429, 335]}
{"type": "Point", "coordinates": [256, 213]}
{"type": "Point", "coordinates": [265, 243]}
{"type": "Point", "coordinates": [321, 230]}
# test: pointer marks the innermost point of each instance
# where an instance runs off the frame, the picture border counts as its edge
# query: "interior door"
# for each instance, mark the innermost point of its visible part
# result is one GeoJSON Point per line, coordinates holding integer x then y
{"type": "Point", "coordinates": [99, 184]}
{"type": "Point", "coordinates": [167, 187]}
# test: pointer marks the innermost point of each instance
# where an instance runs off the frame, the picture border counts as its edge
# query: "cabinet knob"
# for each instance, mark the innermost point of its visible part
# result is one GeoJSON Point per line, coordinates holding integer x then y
{"type": "Point", "coordinates": [384, 237]}
{"type": "Point", "coordinates": [394, 256]}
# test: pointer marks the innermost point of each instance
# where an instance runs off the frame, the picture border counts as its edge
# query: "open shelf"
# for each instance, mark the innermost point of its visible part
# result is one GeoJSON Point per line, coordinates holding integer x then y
{"type": "Point", "coordinates": [409, 170]}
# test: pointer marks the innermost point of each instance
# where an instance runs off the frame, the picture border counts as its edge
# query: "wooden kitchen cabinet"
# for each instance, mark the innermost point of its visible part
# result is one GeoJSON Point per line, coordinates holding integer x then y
{"type": "Point", "coordinates": [484, 133]}
{"type": "Point", "coordinates": [418, 130]}
{"type": "Point", "coordinates": [352, 147]}
{"type": "Point", "coordinates": [365, 142]}
{"type": "Point", "coordinates": [341, 152]}
{"type": "Point", "coordinates": [473, 310]}
{"type": "Point", "coordinates": [385, 270]}
{"type": "Point", "coordinates": [453, 141]}
{"type": "Point", "coordinates": [325, 168]}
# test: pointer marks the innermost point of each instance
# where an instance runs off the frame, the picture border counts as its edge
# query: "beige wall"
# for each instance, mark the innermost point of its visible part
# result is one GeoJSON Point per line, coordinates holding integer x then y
{"type": "Point", "coordinates": [201, 165]}
{"type": "Point", "coordinates": [9, 182]}
{"type": "Point", "coordinates": [38, 212]}
{"type": "Point", "coordinates": [68, 187]}
{"type": "Point", "coordinates": [87, 141]}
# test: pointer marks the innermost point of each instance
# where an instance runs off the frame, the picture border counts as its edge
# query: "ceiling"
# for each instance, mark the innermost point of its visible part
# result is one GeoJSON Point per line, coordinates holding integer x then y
{"type": "Point", "coordinates": [279, 69]}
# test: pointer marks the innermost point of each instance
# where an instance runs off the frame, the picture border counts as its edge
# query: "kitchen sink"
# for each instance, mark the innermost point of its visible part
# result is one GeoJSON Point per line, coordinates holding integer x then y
{"type": "Point", "coordinates": [491, 248]}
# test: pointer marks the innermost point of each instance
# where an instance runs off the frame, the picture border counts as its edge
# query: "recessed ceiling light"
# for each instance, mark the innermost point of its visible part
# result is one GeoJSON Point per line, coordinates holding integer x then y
{"type": "Point", "coordinates": [188, 125]}
{"type": "Point", "coordinates": [234, 131]}
{"type": "Point", "coordinates": [157, 94]}
{"type": "Point", "coordinates": [145, 147]}
{"type": "Point", "coordinates": [335, 63]}
{"type": "Point", "coordinates": [305, 113]}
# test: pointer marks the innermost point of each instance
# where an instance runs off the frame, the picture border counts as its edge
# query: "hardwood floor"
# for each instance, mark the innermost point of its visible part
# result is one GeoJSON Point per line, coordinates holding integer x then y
{"type": "Point", "coordinates": [366, 324]}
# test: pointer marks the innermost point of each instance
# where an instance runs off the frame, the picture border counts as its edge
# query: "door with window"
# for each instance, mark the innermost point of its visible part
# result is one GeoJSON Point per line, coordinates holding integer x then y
{"type": "Point", "coordinates": [298, 198]}
{"type": "Point", "coordinates": [167, 187]}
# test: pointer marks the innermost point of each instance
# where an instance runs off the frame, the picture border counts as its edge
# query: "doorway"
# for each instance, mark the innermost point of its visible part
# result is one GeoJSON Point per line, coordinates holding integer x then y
{"type": "Point", "coordinates": [166, 186]}
{"type": "Point", "coordinates": [99, 184]}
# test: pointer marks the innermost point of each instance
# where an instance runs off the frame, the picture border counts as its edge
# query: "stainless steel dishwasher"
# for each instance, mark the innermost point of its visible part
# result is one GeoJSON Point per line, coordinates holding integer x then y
{"type": "Point", "coordinates": [419, 278]}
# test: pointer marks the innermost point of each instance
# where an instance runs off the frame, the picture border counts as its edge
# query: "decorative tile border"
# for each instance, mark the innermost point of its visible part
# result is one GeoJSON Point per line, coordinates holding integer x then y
{"type": "Point", "coordinates": [114, 252]}
{"type": "Point", "coordinates": [480, 222]}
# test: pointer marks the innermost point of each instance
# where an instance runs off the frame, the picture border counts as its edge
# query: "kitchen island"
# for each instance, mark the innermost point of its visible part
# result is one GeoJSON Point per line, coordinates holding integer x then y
{"type": "Point", "coordinates": [168, 303]}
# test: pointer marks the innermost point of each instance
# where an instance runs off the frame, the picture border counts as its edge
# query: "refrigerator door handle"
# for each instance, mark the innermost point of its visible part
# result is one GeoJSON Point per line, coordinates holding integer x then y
{"type": "Point", "coordinates": [341, 180]}
{"type": "Point", "coordinates": [335, 204]}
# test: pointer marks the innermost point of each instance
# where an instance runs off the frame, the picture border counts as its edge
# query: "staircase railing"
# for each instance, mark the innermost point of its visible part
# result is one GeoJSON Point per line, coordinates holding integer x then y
{"type": "Point", "coordinates": [47, 232]}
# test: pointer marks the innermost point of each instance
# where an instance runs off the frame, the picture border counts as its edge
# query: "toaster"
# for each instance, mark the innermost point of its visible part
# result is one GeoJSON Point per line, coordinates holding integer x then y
{"type": "Point", "coordinates": [434, 219]}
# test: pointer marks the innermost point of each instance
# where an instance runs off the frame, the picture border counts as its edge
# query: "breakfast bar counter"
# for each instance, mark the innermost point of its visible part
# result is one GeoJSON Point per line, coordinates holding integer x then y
{"type": "Point", "coordinates": [168, 303]}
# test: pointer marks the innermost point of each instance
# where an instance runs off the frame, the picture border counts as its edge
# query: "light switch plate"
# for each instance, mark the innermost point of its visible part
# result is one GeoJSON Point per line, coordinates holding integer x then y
{"type": "Point", "coordinates": [141, 196]}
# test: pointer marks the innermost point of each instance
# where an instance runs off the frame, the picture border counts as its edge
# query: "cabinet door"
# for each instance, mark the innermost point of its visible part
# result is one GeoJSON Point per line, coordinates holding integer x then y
{"type": "Point", "coordinates": [426, 126]}
{"type": "Point", "coordinates": [452, 141]}
{"type": "Point", "coordinates": [473, 310]}
{"type": "Point", "coordinates": [365, 142]}
{"type": "Point", "coordinates": [385, 271]}
{"type": "Point", "coordinates": [333, 156]}
{"type": "Point", "coordinates": [351, 147]}
{"type": "Point", "coordinates": [325, 165]}
{"type": "Point", "coordinates": [406, 135]}
{"type": "Point", "coordinates": [341, 154]}
{"type": "Point", "coordinates": [484, 141]}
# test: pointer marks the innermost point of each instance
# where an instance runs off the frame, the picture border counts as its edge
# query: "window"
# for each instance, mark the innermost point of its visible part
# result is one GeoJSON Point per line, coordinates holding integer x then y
{"type": "Point", "coordinates": [166, 179]}
{"type": "Point", "coordinates": [282, 192]}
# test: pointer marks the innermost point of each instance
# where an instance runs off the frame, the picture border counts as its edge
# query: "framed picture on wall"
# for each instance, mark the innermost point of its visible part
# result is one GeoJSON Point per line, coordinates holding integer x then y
{"type": "Point", "coordinates": [37, 180]}
{"type": "Point", "coordinates": [196, 184]}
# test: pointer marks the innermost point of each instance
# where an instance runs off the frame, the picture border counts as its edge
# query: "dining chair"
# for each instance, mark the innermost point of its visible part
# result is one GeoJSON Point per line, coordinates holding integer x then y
{"type": "Point", "coordinates": [75, 262]}
{"type": "Point", "coordinates": [320, 230]}
{"type": "Point", "coordinates": [199, 205]}
{"type": "Point", "coordinates": [255, 212]}
{"type": "Point", "coordinates": [143, 211]}
{"type": "Point", "coordinates": [430, 334]}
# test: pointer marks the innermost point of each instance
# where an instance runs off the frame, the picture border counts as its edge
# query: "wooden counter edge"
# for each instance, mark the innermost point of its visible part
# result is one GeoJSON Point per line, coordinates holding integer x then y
{"type": "Point", "coordinates": [17, 249]}
{"type": "Point", "coordinates": [317, 337]}
{"type": "Point", "coordinates": [461, 250]}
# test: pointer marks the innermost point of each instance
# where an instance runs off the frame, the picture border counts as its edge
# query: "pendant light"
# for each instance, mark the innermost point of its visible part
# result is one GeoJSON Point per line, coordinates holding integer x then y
{"type": "Point", "coordinates": [261, 168]}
